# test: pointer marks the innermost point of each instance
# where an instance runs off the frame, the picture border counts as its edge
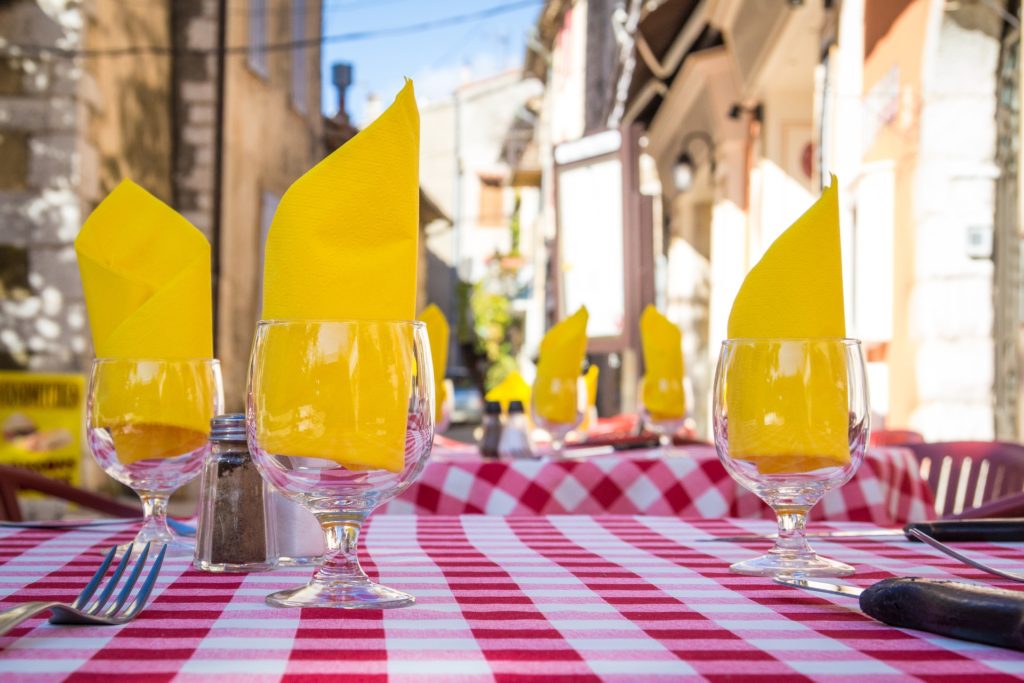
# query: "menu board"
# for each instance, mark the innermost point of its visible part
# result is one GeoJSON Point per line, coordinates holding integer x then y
{"type": "Point", "coordinates": [590, 243]}
{"type": "Point", "coordinates": [41, 419]}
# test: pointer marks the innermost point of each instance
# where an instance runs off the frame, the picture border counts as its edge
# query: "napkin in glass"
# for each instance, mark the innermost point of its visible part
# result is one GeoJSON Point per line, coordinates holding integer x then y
{"type": "Point", "coordinates": [559, 367]}
{"type": "Point", "coordinates": [590, 378]}
{"type": "Point", "coordinates": [146, 277]}
{"type": "Point", "coordinates": [343, 246]}
{"type": "Point", "coordinates": [662, 343]}
{"type": "Point", "coordinates": [437, 333]}
{"type": "Point", "coordinates": [794, 292]}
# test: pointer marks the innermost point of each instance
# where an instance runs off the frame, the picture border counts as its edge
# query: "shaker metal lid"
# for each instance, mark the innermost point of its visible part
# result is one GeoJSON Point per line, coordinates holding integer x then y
{"type": "Point", "coordinates": [228, 427]}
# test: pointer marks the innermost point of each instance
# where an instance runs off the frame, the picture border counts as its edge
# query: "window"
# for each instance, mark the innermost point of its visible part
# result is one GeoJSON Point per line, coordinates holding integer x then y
{"type": "Point", "coordinates": [257, 56]}
{"type": "Point", "coordinates": [492, 201]}
{"type": "Point", "coordinates": [300, 57]}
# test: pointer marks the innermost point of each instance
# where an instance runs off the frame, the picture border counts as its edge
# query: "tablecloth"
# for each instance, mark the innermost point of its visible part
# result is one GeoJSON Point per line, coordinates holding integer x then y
{"type": "Point", "coordinates": [689, 482]}
{"type": "Point", "coordinates": [541, 599]}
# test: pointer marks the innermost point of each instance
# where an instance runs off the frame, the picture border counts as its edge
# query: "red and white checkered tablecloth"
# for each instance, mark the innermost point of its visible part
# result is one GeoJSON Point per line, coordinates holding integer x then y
{"type": "Point", "coordinates": [541, 599]}
{"type": "Point", "coordinates": [692, 482]}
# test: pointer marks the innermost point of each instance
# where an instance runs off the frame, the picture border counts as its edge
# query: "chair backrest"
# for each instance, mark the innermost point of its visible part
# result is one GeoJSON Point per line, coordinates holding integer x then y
{"type": "Point", "coordinates": [14, 479]}
{"type": "Point", "coordinates": [894, 437]}
{"type": "Point", "coordinates": [967, 474]}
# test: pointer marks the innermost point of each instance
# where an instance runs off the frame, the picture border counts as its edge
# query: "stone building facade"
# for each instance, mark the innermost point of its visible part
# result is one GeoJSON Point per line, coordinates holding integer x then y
{"type": "Point", "coordinates": [78, 113]}
{"type": "Point", "coordinates": [70, 128]}
{"type": "Point", "coordinates": [914, 105]}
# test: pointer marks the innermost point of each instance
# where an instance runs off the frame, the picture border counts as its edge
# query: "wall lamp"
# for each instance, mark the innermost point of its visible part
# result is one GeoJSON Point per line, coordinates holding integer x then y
{"type": "Point", "coordinates": [682, 172]}
{"type": "Point", "coordinates": [756, 112]}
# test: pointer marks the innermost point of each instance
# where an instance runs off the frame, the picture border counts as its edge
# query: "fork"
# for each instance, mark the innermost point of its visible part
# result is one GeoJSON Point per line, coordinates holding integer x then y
{"type": "Point", "coordinates": [84, 610]}
{"type": "Point", "coordinates": [942, 547]}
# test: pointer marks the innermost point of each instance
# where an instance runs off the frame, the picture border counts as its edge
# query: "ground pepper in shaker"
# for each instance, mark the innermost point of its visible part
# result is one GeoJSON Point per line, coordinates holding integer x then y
{"type": "Point", "coordinates": [236, 530]}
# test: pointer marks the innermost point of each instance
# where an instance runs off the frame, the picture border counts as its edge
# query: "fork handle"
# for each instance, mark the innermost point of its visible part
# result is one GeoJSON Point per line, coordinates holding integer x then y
{"type": "Point", "coordinates": [16, 615]}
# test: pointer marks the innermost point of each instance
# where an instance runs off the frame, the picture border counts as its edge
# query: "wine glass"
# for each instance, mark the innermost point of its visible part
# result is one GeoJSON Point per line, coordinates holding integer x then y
{"type": "Point", "coordinates": [791, 421]}
{"type": "Point", "coordinates": [557, 405]}
{"type": "Point", "coordinates": [148, 426]}
{"type": "Point", "coordinates": [657, 401]}
{"type": "Point", "coordinates": [340, 418]}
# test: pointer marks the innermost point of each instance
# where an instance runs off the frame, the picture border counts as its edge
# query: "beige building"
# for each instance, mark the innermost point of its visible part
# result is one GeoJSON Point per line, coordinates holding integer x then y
{"type": "Point", "coordinates": [272, 135]}
{"type": "Point", "coordinates": [914, 104]}
{"type": "Point", "coordinates": [471, 141]}
{"type": "Point", "coordinates": [78, 113]}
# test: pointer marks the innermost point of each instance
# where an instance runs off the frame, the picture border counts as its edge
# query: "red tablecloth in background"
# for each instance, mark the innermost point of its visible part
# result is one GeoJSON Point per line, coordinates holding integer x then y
{"type": "Point", "coordinates": [692, 482]}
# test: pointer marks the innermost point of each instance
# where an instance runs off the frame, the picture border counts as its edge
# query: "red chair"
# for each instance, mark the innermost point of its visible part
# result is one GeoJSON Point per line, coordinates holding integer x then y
{"type": "Point", "coordinates": [14, 479]}
{"type": "Point", "coordinates": [894, 437]}
{"type": "Point", "coordinates": [969, 478]}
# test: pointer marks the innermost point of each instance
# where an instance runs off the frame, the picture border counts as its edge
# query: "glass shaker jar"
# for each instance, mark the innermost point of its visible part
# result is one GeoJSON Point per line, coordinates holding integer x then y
{"type": "Point", "coordinates": [492, 426]}
{"type": "Point", "coordinates": [236, 514]}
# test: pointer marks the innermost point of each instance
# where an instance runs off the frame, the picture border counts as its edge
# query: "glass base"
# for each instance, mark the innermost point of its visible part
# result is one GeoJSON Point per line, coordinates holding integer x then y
{"type": "Point", "coordinates": [356, 595]}
{"type": "Point", "coordinates": [775, 564]}
{"type": "Point", "coordinates": [302, 561]}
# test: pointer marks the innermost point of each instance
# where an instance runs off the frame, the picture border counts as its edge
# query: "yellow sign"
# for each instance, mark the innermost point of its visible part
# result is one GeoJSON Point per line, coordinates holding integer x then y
{"type": "Point", "coordinates": [41, 418]}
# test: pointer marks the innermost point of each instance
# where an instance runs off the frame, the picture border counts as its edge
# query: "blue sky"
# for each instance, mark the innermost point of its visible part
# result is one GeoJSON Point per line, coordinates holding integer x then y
{"type": "Point", "coordinates": [435, 59]}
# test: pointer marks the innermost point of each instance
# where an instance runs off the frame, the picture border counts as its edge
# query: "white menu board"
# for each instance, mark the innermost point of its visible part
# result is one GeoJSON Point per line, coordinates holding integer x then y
{"type": "Point", "coordinates": [590, 244]}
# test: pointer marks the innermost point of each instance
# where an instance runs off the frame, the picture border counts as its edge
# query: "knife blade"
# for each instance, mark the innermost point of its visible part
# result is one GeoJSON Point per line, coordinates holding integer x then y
{"type": "Point", "coordinates": [955, 609]}
{"type": "Point", "coordinates": [1007, 530]}
{"type": "Point", "coordinates": [180, 528]}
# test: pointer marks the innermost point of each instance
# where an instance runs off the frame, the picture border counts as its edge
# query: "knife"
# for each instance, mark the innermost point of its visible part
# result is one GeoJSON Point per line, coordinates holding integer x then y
{"type": "Point", "coordinates": [964, 611]}
{"type": "Point", "coordinates": [995, 530]}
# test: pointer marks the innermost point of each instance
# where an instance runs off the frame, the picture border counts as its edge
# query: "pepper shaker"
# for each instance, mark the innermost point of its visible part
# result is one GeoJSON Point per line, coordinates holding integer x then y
{"type": "Point", "coordinates": [236, 524]}
{"type": "Point", "coordinates": [492, 430]}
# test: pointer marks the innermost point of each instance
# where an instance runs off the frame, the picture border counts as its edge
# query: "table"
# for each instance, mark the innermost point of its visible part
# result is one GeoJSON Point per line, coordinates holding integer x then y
{"type": "Point", "coordinates": [692, 482]}
{"type": "Point", "coordinates": [544, 599]}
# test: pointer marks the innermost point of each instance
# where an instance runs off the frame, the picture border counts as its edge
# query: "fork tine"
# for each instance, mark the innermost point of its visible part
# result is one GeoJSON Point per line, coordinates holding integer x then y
{"type": "Point", "coordinates": [94, 582]}
{"type": "Point", "coordinates": [98, 603]}
{"type": "Point", "coordinates": [129, 584]}
{"type": "Point", "coordinates": [147, 587]}
{"type": "Point", "coordinates": [942, 547]}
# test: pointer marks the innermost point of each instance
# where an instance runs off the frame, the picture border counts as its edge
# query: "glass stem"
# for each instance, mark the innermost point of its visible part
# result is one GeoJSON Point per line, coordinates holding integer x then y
{"type": "Point", "coordinates": [792, 525]}
{"type": "Point", "coordinates": [341, 562]}
{"type": "Point", "coordinates": [154, 516]}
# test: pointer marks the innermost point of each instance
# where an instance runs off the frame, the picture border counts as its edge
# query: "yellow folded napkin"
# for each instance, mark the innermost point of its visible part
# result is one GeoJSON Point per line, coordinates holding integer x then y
{"type": "Point", "coordinates": [590, 378]}
{"type": "Point", "coordinates": [662, 342]}
{"type": "Point", "coordinates": [146, 276]}
{"type": "Point", "coordinates": [343, 245]}
{"type": "Point", "coordinates": [437, 332]}
{"type": "Point", "coordinates": [512, 388]}
{"type": "Point", "coordinates": [797, 421]}
{"type": "Point", "coordinates": [558, 369]}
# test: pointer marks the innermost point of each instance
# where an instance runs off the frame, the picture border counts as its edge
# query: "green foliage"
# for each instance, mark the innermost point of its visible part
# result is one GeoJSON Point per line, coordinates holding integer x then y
{"type": "Point", "coordinates": [493, 319]}
{"type": "Point", "coordinates": [514, 226]}
{"type": "Point", "coordinates": [486, 318]}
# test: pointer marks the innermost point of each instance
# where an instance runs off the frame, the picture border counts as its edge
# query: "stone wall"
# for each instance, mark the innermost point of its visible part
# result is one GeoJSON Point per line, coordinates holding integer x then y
{"type": "Point", "coordinates": [43, 101]}
{"type": "Point", "coordinates": [194, 83]}
{"type": "Point", "coordinates": [951, 304]}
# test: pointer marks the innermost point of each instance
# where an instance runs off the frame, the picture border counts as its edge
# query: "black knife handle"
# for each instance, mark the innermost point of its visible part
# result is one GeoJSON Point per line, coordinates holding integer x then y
{"type": "Point", "coordinates": [950, 608]}
{"type": "Point", "coordinates": [995, 530]}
